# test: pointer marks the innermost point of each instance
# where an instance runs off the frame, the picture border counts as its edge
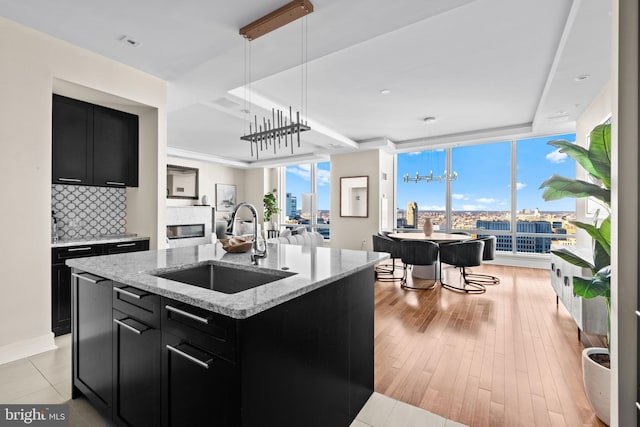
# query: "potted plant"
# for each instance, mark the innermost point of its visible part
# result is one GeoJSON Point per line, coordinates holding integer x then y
{"type": "Point", "coordinates": [270, 208]}
{"type": "Point", "coordinates": [596, 161]}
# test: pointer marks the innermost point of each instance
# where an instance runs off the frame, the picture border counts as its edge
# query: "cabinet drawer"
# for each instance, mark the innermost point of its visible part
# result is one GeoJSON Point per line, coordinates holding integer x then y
{"type": "Point", "coordinates": [117, 248]}
{"type": "Point", "coordinates": [139, 304]}
{"type": "Point", "coordinates": [210, 331]}
{"type": "Point", "coordinates": [59, 255]}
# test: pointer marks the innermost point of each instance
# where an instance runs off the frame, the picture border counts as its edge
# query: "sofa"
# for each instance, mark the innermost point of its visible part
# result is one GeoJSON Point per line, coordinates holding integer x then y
{"type": "Point", "coordinates": [299, 236]}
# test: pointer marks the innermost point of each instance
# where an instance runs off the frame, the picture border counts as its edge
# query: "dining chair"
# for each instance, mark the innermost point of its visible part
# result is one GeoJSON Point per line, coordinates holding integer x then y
{"type": "Point", "coordinates": [416, 252]}
{"type": "Point", "coordinates": [385, 272]}
{"type": "Point", "coordinates": [463, 255]}
{"type": "Point", "coordinates": [488, 254]}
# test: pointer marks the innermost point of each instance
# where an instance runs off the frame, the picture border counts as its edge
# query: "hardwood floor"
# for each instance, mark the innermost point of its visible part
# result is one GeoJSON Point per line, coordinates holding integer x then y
{"type": "Point", "coordinates": [508, 357]}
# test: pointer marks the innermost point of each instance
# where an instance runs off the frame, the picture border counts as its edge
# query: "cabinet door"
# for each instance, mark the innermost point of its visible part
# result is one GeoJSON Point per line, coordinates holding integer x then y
{"type": "Point", "coordinates": [556, 274]}
{"type": "Point", "coordinates": [60, 299]}
{"type": "Point", "coordinates": [136, 367]}
{"type": "Point", "coordinates": [72, 130]}
{"type": "Point", "coordinates": [115, 148]}
{"type": "Point", "coordinates": [92, 343]}
{"type": "Point", "coordinates": [198, 389]}
{"type": "Point", "coordinates": [118, 248]}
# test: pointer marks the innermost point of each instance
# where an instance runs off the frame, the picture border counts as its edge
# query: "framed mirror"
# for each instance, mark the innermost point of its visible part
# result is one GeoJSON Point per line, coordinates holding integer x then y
{"type": "Point", "coordinates": [354, 196]}
{"type": "Point", "coordinates": [182, 182]}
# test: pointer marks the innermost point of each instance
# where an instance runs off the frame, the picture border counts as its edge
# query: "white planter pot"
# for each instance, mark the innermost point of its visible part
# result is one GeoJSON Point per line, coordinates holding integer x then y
{"type": "Point", "coordinates": [597, 383]}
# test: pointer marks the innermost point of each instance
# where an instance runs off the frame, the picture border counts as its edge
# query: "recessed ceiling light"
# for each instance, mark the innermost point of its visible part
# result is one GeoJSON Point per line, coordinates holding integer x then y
{"type": "Point", "coordinates": [385, 91]}
{"type": "Point", "coordinates": [429, 119]}
{"type": "Point", "coordinates": [582, 77]}
{"type": "Point", "coordinates": [129, 41]}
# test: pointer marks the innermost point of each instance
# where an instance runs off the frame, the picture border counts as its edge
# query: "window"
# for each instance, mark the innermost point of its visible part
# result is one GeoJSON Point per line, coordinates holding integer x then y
{"type": "Point", "coordinates": [420, 191]}
{"type": "Point", "coordinates": [483, 194]}
{"type": "Point", "coordinates": [537, 161]}
{"type": "Point", "coordinates": [308, 196]}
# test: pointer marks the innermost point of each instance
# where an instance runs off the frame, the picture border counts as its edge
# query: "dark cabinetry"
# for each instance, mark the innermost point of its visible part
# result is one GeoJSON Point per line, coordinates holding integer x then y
{"type": "Point", "coordinates": [199, 376]}
{"type": "Point", "coordinates": [308, 361]}
{"type": "Point", "coordinates": [71, 132]}
{"type": "Point", "coordinates": [92, 356]}
{"type": "Point", "coordinates": [61, 277]}
{"type": "Point", "coordinates": [136, 357]}
{"type": "Point", "coordinates": [93, 145]}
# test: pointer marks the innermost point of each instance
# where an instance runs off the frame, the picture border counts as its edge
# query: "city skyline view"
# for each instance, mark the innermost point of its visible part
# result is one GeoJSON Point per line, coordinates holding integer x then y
{"type": "Point", "coordinates": [484, 176]}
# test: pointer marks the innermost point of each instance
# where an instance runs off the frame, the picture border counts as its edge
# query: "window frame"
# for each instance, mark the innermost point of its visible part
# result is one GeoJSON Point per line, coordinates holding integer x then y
{"type": "Point", "coordinates": [513, 232]}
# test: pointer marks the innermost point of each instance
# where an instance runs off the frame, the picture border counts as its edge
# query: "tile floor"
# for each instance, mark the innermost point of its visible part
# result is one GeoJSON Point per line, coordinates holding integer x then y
{"type": "Point", "coordinates": [46, 378]}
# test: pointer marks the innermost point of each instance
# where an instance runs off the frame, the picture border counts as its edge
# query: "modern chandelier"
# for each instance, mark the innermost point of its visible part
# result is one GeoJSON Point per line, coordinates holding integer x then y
{"type": "Point", "coordinates": [280, 130]}
{"type": "Point", "coordinates": [431, 177]}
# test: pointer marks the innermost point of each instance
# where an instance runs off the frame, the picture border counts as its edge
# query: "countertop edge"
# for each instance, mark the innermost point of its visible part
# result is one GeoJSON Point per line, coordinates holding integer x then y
{"type": "Point", "coordinates": [97, 241]}
{"type": "Point", "coordinates": [225, 304]}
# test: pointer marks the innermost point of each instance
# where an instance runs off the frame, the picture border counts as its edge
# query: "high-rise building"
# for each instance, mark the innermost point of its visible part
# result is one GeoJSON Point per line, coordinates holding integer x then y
{"type": "Point", "coordinates": [291, 206]}
{"type": "Point", "coordinates": [523, 243]}
{"type": "Point", "coordinates": [412, 215]}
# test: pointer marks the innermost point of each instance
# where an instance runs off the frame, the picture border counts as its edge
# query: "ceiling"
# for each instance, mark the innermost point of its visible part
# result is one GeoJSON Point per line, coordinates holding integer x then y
{"type": "Point", "coordinates": [485, 69]}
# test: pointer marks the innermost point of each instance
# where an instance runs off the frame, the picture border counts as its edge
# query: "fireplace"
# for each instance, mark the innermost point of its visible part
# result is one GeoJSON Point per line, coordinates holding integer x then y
{"type": "Point", "coordinates": [189, 225]}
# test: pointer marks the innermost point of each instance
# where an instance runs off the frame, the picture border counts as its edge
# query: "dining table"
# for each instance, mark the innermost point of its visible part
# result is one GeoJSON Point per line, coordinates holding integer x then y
{"type": "Point", "coordinates": [429, 272]}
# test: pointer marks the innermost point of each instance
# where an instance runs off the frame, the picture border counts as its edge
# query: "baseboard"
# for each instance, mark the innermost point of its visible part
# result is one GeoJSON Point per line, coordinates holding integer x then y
{"type": "Point", "coordinates": [27, 348]}
{"type": "Point", "coordinates": [542, 261]}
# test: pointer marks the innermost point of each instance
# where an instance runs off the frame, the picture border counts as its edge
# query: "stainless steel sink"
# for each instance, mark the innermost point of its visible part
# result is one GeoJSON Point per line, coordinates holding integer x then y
{"type": "Point", "coordinates": [222, 278]}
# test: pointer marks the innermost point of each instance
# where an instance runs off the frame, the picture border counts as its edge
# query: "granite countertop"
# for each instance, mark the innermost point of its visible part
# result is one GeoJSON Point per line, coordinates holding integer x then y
{"type": "Point", "coordinates": [92, 240]}
{"type": "Point", "coordinates": [314, 267]}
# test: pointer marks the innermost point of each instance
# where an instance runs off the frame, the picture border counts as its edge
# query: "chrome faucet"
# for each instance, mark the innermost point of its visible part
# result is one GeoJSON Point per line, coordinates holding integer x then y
{"type": "Point", "coordinates": [255, 251]}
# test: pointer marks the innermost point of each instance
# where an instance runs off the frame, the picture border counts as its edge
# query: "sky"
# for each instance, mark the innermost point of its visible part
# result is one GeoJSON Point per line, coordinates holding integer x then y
{"type": "Point", "coordinates": [298, 180]}
{"type": "Point", "coordinates": [483, 182]}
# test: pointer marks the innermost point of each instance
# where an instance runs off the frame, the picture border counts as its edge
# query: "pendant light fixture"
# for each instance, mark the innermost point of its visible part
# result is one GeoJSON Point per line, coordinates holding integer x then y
{"type": "Point", "coordinates": [280, 130]}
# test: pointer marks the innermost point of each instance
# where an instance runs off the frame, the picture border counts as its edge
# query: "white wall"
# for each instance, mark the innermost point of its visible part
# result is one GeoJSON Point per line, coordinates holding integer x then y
{"type": "Point", "coordinates": [624, 289]}
{"type": "Point", "coordinates": [387, 190]}
{"type": "Point", "coordinates": [29, 64]}
{"type": "Point", "coordinates": [209, 174]}
{"type": "Point", "coordinates": [596, 113]}
{"type": "Point", "coordinates": [350, 233]}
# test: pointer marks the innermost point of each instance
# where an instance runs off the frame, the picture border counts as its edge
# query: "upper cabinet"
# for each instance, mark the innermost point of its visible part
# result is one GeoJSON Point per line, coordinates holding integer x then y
{"type": "Point", "coordinates": [93, 145]}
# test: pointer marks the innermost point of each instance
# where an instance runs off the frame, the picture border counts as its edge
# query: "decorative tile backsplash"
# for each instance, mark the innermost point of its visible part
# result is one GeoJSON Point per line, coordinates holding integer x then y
{"type": "Point", "coordinates": [83, 211]}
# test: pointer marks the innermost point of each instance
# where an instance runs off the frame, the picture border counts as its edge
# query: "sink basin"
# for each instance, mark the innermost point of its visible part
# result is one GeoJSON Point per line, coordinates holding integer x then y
{"type": "Point", "coordinates": [225, 279]}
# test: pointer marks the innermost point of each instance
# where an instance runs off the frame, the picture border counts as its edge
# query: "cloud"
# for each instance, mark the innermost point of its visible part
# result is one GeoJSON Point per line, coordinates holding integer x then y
{"type": "Point", "coordinates": [458, 196]}
{"type": "Point", "coordinates": [323, 177]}
{"type": "Point", "coordinates": [303, 171]}
{"type": "Point", "coordinates": [414, 153]}
{"type": "Point", "coordinates": [556, 156]}
{"type": "Point", "coordinates": [520, 185]}
{"type": "Point", "coordinates": [470, 207]}
{"type": "Point", "coordinates": [426, 207]}
{"type": "Point", "coordinates": [486, 200]}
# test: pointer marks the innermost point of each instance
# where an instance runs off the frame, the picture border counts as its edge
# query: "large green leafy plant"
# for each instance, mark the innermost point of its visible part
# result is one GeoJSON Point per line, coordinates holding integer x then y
{"type": "Point", "coordinates": [270, 205]}
{"type": "Point", "coordinates": [596, 161]}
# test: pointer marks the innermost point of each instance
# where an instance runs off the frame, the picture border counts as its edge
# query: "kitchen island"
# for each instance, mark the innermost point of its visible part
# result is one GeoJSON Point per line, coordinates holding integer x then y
{"type": "Point", "coordinates": [153, 344]}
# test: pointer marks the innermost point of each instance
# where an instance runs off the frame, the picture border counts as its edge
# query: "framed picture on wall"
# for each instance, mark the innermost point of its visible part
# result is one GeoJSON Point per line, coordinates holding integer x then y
{"type": "Point", "coordinates": [225, 197]}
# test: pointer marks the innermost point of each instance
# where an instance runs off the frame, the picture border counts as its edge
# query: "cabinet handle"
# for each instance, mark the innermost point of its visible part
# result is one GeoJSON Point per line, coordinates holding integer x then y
{"type": "Point", "coordinates": [129, 327]}
{"type": "Point", "coordinates": [558, 273]}
{"type": "Point", "coordinates": [128, 293]}
{"type": "Point", "coordinates": [115, 183]}
{"type": "Point", "coordinates": [88, 279]}
{"type": "Point", "coordinates": [86, 248]}
{"type": "Point", "coordinates": [204, 364]}
{"type": "Point", "coordinates": [553, 266]}
{"type": "Point", "coordinates": [125, 245]}
{"type": "Point", "coordinates": [637, 313]}
{"type": "Point", "coordinates": [638, 405]}
{"type": "Point", "coordinates": [566, 280]}
{"type": "Point", "coordinates": [70, 179]}
{"type": "Point", "coordinates": [187, 314]}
